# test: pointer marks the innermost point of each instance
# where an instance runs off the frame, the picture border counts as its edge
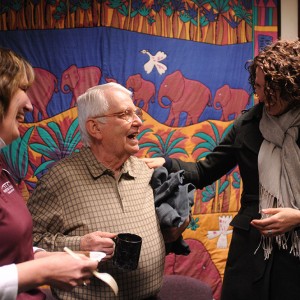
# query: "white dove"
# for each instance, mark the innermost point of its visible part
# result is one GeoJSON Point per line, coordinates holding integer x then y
{"type": "Point", "coordinates": [224, 222]}
{"type": "Point", "coordinates": [155, 61]}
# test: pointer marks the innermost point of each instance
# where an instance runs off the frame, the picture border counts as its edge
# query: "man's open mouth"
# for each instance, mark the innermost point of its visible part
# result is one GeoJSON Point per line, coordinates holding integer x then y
{"type": "Point", "coordinates": [132, 136]}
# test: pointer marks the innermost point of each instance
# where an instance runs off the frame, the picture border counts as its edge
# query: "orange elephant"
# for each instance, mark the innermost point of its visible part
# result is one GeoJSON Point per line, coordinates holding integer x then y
{"type": "Point", "coordinates": [41, 92]}
{"type": "Point", "coordinates": [143, 90]}
{"type": "Point", "coordinates": [186, 95]}
{"type": "Point", "coordinates": [78, 80]}
{"type": "Point", "coordinates": [231, 101]}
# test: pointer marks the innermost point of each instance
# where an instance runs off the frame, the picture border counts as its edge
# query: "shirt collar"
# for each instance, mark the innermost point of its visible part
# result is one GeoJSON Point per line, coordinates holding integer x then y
{"type": "Point", "coordinates": [97, 169]}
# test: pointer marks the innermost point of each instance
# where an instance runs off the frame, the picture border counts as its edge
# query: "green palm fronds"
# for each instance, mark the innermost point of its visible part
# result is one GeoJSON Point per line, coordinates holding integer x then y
{"type": "Point", "coordinates": [16, 156]}
{"type": "Point", "coordinates": [209, 142]}
{"type": "Point", "coordinates": [164, 149]}
{"type": "Point", "coordinates": [141, 134]}
{"type": "Point", "coordinates": [58, 148]}
{"type": "Point", "coordinates": [220, 6]}
{"type": "Point", "coordinates": [237, 180]}
{"type": "Point", "coordinates": [210, 191]}
{"type": "Point", "coordinates": [194, 224]}
{"type": "Point", "coordinates": [241, 13]}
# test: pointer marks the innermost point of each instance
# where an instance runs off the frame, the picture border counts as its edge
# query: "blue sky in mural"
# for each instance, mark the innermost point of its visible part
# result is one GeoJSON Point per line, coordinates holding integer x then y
{"type": "Point", "coordinates": [119, 54]}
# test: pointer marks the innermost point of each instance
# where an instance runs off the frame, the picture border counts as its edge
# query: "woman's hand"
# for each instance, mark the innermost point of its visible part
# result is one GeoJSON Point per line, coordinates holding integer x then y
{"type": "Point", "coordinates": [154, 162]}
{"type": "Point", "coordinates": [280, 220]}
{"type": "Point", "coordinates": [57, 269]}
{"type": "Point", "coordinates": [66, 272]}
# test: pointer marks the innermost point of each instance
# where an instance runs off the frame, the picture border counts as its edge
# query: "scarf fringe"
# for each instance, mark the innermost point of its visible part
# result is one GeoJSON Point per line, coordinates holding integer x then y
{"type": "Point", "coordinates": [266, 242]}
{"type": "Point", "coordinates": [295, 249]}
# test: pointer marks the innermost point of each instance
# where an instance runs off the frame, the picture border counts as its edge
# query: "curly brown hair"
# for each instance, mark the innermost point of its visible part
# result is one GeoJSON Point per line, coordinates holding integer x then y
{"type": "Point", "coordinates": [280, 63]}
{"type": "Point", "coordinates": [15, 72]}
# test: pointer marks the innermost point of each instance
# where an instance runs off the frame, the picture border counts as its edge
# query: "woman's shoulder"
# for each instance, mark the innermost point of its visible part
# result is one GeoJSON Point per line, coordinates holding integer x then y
{"type": "Point", "coordinates": [253, 113]}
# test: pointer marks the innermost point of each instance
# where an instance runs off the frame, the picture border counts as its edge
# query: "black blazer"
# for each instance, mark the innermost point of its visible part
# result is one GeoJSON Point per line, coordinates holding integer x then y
{"type": "Point", "coordinates": [247, 273]}
{"type": "Point", "coordinates": [239, 147]}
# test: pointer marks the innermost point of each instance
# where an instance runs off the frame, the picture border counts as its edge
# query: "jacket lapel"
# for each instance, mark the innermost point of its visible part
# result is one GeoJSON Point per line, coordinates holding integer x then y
{"type": "Point", "coordinates": [251, 136]}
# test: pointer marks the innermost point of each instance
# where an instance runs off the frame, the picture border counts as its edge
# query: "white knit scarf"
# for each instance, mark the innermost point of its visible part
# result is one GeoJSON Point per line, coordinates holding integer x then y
{"type": "Point", "coordinates": [279, 171]}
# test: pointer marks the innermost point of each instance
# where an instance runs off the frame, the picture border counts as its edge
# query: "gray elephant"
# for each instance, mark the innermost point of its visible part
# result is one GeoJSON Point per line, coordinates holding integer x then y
{"type": "Point", "coordinates": [78, 80]}
{"type": "Point", "coordinates": [186, 95]}
{"type": "Point", "coordinates": [231, 101]}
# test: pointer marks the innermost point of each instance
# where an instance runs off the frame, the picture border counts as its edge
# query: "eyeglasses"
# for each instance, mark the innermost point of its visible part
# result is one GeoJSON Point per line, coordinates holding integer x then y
{"type": "Point", "coordinates": [127, 115]}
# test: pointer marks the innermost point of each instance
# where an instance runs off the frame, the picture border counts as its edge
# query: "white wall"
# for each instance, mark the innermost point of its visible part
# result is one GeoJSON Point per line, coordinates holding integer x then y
{"type": "Point", "coordinates": [289, 19]}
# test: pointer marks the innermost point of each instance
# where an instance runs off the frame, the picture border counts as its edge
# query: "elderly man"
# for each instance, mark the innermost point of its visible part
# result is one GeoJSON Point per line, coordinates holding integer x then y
{"type": "Point", "coordinates": [85, 199]}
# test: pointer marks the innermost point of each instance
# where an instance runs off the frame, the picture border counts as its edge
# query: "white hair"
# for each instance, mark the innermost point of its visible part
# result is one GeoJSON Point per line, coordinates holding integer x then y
{"type": "Point", "coordinates": [94, 102]}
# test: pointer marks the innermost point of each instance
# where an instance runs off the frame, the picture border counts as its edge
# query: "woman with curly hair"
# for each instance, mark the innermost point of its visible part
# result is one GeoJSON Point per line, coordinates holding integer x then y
{"type": "Point", "coordinates": [22, 268]}
{"type": "Point", "coordinates": [264, 255]}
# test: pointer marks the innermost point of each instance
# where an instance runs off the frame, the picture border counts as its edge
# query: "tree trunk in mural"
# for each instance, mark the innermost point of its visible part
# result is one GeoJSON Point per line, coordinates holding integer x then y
{"type": "Point", "coordinates": [143, 27]}
{"type": "Point", "coordinates": [175, 25]}
{"type": "Point", "coordinates": [30, 16]}
{"type": "Point", "coordinates": [115, 19]}
{"type": "Point", "coordinates": [127, 18]}
{"type": "Point", "coordinates": [210, 36]}
{"type": "Point", "coordinates": [136, 23]}
{"type": "Point", "coordinates": [169, 32]}
{"type": "Point", "coordinates": [39, 13]}
{"type": "Point", "coordinates": [219, 30]}
{"type": "Point", "coordinates": [97, 17]}
{"type": "Point", "coordinates": [248, 33]}
{"type": "Point", "coordinates": [49, 19]}
{"type": "Point", "coordinates": [159, 24]}
{"type": "Point", "coordinates": [233, 26]}
{"type": "Point", "coordinates": [184, 31]}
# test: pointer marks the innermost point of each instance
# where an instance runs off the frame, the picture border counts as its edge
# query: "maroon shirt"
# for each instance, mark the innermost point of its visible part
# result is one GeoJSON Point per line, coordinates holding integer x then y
{"type": "Point", "coordinates": [15, 229]}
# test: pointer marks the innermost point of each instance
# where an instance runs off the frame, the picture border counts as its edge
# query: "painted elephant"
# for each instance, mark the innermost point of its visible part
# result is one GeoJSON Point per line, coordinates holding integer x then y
{"type": "Point", "coordinates": [143, 90]}
{"type": "Point", "coordinates": [41, 92]}
{"type": "Point", "coordinates": [110, 79]}
{"type": "Point", "coordinates": [78, 80]}
{"type": "Point", "coordinates": [231, 101]}
{"type": "Point", "coordinates": [186, 95]}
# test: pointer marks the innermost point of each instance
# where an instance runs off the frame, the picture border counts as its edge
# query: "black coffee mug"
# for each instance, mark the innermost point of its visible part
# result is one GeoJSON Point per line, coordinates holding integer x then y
{"type": "Point", "coordinates": [127, 251]}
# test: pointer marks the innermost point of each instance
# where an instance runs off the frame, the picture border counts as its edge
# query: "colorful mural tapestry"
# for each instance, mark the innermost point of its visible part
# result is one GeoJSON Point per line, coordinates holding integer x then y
{"type": "Point", "coordinates": [184, 61]}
